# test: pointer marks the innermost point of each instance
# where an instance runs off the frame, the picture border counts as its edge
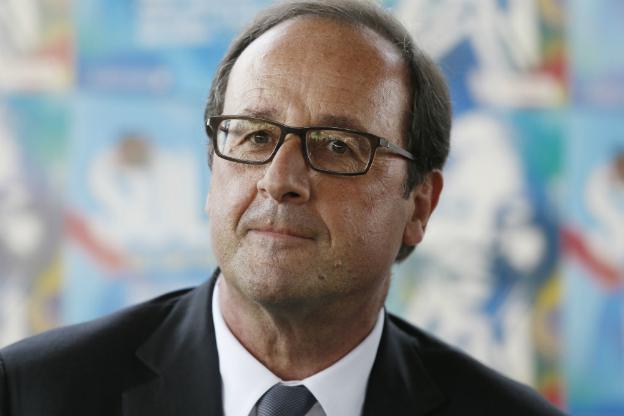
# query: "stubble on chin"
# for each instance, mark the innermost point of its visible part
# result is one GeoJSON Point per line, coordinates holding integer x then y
{"type": "Point", "coordinates": [270, 278]}
{"type": "Point", "coordinates": [270, 270]}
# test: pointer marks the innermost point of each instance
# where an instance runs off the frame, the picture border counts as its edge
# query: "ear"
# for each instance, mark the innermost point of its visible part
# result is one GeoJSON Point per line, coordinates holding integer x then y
{"type": "Point", "coordinates": [424, 199]}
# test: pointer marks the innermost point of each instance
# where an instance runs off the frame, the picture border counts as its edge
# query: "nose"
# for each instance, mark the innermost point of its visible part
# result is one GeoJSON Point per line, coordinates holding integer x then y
{"type": "Point", "coordinates": [286, 177]}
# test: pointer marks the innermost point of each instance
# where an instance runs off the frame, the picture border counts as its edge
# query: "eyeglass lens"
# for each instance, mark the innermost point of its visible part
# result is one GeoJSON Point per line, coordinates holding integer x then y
{"type": "Point", "coordinates": [337, 151]}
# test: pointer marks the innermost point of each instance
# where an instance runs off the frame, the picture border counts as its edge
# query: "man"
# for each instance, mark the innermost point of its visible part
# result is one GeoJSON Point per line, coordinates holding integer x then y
{"type": "Point", "coordinates": [306, 224]}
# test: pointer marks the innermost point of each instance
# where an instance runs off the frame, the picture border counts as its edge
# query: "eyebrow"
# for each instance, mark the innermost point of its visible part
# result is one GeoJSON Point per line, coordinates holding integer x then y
{"type": "Point", "coordinates": [326, 120]}
{"type": "Point", "coordinates": [266, 113]}
{"type": "Point", "coordinates": [331, 120]}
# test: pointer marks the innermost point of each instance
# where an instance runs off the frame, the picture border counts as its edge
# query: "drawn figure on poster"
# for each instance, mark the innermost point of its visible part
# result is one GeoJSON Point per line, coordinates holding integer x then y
{"type": "Point", "coordinates": [596, 243]}
{"type": "Point", "coordinates": [29, 233]}
{"type": "Point", "coordinates": [481, 264]}
{"type": "Point", "coordinates": [34, 44]}
{"type": "Point", "coordinates": [494, 245]}
{"type": "Point", "coordinates": [604, 199]}
{"type": "Point", "coordinates": [131, 183]}
{"type": "Point", "coordinates": [505, 39]}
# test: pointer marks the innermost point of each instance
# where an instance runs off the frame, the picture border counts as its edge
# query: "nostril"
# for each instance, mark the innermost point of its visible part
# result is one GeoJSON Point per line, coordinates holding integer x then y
{"type": "Point", "coordinates": [292, 195]}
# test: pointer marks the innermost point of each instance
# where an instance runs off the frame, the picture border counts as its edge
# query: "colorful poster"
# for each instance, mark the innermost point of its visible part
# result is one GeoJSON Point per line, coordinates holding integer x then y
{"type": "Point", "coordinates": [596, 33]}
{"type": "Point", "coordinates": [35, 45]}
{"type": "Point", "coordinates": [33, 132]}
{"type": "Point", "coordinates": [594, 253]}
{"type": "Point", "coordinates": [492, 244]}
{"type": "Point", "coordinates": [155, 46]}
{"type": "Point", "coordinates": [508, 54]}
{"type": "Point", "coordinates": [486, 278]}
{"type": "Point", "coordinates": [137, 184]}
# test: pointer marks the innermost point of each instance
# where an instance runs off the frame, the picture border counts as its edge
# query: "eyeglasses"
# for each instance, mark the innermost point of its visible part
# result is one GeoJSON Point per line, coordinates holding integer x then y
{"type": "Point", "coordinates": [332, 150]}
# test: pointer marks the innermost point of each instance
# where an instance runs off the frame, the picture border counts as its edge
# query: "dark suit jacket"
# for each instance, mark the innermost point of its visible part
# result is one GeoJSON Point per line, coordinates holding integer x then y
{"type": "Point", "coordinates": [160, 358]}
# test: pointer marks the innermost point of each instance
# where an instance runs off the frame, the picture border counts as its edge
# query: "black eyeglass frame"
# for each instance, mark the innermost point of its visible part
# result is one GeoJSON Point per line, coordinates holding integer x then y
{"type": "Point", "coordinates": [213, 122]}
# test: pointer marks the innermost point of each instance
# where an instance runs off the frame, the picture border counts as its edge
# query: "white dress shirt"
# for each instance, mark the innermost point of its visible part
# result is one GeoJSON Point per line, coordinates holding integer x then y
{"type": "Point", "coordinates": [339, 389]}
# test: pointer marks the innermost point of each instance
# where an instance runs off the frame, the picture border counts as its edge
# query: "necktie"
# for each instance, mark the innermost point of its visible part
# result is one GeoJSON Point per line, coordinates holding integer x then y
{"type": "Point", "coordinates": [281, 400]}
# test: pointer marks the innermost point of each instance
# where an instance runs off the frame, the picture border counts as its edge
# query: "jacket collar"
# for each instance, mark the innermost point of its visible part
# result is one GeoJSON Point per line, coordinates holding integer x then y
{"type": "Point", "coordinates": [182, 357]}
{"type": "Point", "coordinates": [399, 383]}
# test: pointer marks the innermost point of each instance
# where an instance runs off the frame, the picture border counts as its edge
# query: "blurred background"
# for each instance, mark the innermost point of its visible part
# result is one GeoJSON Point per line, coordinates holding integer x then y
{"type": "Point", "coordinates": [103, 175]}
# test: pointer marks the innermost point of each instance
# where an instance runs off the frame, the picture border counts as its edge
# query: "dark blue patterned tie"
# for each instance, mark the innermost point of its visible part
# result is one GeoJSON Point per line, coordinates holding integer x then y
{"type": "Point", "coordinates": [281, 400]}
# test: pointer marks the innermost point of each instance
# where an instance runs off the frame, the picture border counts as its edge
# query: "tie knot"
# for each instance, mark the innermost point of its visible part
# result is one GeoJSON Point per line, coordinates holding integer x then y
{"type": "Point", "coordinates": [281, 400]}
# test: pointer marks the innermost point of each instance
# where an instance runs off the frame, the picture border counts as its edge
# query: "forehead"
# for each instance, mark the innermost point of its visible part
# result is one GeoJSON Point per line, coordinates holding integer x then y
{"type": "Point", "coordinates": [308, 67]}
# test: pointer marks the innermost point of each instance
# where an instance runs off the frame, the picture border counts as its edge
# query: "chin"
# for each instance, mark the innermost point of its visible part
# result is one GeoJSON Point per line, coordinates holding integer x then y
{"type": "Point", "coordinates": [281, 287]}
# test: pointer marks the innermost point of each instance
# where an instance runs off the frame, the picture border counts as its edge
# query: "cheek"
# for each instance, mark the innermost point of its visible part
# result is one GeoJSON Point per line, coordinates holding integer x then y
{"type": "Point", "coordinates": [366, 219]}
{"type": "Point", "coordinates": [231, 191]}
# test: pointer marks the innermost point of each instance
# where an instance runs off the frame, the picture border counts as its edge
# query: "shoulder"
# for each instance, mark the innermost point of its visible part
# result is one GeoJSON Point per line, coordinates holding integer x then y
{"type": "Point", "coordinates": [96, 356]}
{"type": "Point", "coordinates": [466, 383]}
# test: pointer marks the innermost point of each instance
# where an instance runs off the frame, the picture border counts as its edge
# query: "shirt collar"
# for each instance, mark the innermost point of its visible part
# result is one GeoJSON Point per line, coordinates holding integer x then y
{"type": "Point", "coordinates": [340, 389]}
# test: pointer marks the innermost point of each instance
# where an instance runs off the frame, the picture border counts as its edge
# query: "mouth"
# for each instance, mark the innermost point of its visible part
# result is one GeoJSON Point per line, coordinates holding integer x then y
{"type": "Point", "coordinates": [281, 233]}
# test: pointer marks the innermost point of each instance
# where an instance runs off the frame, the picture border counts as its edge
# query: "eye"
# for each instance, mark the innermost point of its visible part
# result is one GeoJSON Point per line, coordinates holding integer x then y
{"type": "Point", "coordinates": [338, 146]}
{"type": "Point", "coordinates": [259, 137]}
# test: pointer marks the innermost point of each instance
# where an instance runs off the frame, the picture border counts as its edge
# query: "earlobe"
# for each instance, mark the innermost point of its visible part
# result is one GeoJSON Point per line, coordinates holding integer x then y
{"type": "Point", "coordinates": [414, 233]}
{"type": "Point", "coordinates": [424, 198]}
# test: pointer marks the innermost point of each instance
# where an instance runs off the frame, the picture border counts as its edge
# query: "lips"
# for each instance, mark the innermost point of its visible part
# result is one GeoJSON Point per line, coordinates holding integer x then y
{"type": "Point", "coordinates": [283, 231]}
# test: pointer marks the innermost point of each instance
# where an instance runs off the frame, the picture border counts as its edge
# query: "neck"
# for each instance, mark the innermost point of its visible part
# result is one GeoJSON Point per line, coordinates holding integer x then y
{"type": "Point", "coordinates": [296, 342]}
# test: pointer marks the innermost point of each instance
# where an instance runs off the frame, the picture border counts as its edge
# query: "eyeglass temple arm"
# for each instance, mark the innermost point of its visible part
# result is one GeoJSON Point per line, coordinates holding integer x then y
{"type": "Point", "coordinates": [396, 149]}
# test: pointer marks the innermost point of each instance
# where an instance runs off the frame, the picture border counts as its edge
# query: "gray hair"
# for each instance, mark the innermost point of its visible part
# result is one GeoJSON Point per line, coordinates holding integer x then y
{"type": "Point", "coordinates": [429, 118]}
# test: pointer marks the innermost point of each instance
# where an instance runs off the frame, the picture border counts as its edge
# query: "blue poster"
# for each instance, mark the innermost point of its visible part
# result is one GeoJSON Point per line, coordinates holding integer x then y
{"type": "Point", "coordinates": [137, 183]}
{"type": "Point", "coordinates": [594, 253]}
{"type": "Point", "coordinates": [486, 276]}
{"type": "Point", "coordinates": [155, 47]}
{"type": "Point", "coordinates": [596, 33]}
{"type": "Point", "coordinates": [33, 149]}
{"type": "Point", "coordinates": [491, 247]}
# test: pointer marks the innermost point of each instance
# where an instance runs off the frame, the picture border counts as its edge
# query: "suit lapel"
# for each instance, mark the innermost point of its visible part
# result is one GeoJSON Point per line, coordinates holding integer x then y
{"type": "Point", "coordinates": [180, 368]}
{"type": "Point", "coordinates": [399, 384]}
{"type": "Point", "coordinates": [182, 357]}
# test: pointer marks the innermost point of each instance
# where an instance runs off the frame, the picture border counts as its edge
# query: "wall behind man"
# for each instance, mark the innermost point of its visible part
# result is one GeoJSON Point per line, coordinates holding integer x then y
{"type": "Point", "coordinates": [103, 175]}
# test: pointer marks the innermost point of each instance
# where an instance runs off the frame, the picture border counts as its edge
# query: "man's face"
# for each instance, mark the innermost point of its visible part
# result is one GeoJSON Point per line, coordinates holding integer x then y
{"type": "Point", "coordinates": [282, 232]}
